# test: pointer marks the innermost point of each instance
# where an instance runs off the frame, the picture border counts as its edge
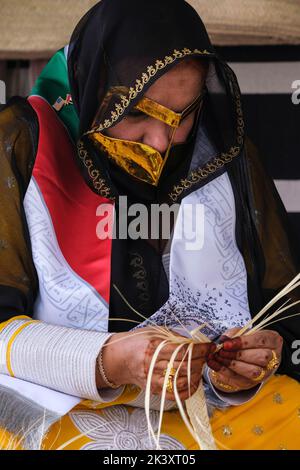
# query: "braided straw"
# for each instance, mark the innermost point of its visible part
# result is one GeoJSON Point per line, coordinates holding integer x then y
{"type": "Point", "coordinates": [196, 419]}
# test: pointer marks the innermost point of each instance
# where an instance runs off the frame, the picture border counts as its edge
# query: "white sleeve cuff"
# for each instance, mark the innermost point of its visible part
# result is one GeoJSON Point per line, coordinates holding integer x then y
{"type": "Point", "coordinates": [236, 398]}
{"type": "Point", "coordinates": [60, 358]}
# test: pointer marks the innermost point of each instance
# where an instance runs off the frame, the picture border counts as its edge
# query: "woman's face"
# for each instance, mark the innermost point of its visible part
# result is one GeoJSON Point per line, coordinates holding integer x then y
{"type": "Point", "coordinates": [176, 90]}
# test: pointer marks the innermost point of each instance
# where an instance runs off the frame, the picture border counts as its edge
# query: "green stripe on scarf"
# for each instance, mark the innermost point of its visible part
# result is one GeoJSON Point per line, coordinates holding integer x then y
{"type": "Point", "coordinates": [53, 83]}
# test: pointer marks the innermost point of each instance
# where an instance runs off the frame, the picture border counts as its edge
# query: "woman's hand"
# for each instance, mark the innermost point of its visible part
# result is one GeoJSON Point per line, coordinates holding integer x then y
{"type": "Point", "coordinates": [127, 358]}
{"type": "Point", "coordinates": [245, 361]}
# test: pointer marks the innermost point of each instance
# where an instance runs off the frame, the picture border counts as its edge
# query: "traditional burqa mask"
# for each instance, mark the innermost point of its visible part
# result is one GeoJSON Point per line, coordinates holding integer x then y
{"type": "Point", "coordinates": [139, 160]}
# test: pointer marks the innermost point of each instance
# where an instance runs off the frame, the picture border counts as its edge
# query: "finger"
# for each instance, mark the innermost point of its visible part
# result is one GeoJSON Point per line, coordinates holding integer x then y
{"type": "Point", "coordinates": [186, 392]}
{"type": "Point", "coordinates": [229, 334]}
{"type": "Point", "coordinates": [249, 371]}
{"type": "Point", "coordinates": [234, 344]}
{"type": "Point", "coordinates": [183, 395]}
{"type": "Point", "coordinates": [181, 383]}
{"type": "Point", "coordinates": [162, 364]}
{"type": "Point", "coordinates": [258, 357]}
{"type": "Point", "coordinates": [264, 339]}
{"type": "Point", "coordinates": [225, 354]}
{"type": "Point", "coordinates": [199, 350]}
{"type": "Point", "coordinates": [196, 366]}
{"type": "Point", "coordinates": [214, 364]}
{"type": "Point", "coordinates": [214, 359]}
{"type": "Point", "coordinates": [231, 378]}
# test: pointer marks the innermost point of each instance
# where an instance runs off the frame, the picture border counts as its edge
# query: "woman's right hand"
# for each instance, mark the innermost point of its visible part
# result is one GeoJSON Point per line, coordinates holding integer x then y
{"type": "Point", "coordinates": [127, 358]}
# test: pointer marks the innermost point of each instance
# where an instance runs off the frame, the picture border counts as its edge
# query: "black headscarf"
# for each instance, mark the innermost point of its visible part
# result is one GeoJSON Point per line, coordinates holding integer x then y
{"type": "Point", "coordinates": [127, 46]}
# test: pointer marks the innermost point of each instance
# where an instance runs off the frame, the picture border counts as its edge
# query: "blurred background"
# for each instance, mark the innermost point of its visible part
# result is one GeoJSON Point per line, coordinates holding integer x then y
{"type": "Point", "coordinates": [259, 38]}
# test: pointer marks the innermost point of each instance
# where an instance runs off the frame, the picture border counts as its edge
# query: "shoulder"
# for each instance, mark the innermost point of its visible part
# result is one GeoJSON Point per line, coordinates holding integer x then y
{"type": "Point", "coordinates": [17, 116]}
{"type": "Point", "coordinates": [19, 131]}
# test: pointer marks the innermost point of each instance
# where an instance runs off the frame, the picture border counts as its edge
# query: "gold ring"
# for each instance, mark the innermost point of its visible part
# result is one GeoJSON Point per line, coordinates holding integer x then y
{"type": "Point", "coordinates": [274, 362]}
{"type": "Point", "coordinates": [170, 385]}
{"type": "Point", "coordinates": [260, 376]}
{"type": "Point", "coordinates": [227, 387]}
{"type": "Point", "coordinates": [170, 379]}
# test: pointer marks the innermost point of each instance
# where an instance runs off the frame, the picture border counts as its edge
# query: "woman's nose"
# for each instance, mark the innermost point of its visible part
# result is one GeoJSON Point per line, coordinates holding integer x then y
{"type": "Point", "coordinates": [157, 135]}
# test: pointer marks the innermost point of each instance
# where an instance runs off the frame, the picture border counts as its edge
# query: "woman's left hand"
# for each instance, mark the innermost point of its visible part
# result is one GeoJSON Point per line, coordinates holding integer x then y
{"type": "Point", "coordinates": [245, 361]}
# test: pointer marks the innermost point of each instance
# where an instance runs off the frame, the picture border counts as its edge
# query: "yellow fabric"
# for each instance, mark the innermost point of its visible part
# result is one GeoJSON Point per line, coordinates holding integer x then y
{"type": "Point", "coordinates": [270, 421]}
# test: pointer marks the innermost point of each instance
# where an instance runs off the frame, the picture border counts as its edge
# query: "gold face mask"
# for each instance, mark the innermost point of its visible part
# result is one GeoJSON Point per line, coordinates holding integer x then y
{"type": "Point", "coordinates": [139, 160]}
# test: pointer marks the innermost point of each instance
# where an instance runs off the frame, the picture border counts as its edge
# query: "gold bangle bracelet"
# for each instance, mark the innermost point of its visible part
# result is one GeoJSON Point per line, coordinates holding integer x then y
{"type": "Point", "coordinates": [102, 372]}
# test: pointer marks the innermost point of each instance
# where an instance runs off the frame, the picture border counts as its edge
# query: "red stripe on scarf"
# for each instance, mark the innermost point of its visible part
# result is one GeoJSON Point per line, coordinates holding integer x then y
{"type": "Point", "coordinates": [71, 203]}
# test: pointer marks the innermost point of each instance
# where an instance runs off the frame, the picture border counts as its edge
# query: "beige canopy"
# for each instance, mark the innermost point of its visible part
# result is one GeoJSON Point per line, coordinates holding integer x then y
{"type": "Point", "coordinates": [36, 28]}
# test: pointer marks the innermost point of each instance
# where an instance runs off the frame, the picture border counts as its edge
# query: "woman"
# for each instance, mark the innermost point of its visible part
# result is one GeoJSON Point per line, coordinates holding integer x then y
{"type": "Point", "coordinates": [160, 122]}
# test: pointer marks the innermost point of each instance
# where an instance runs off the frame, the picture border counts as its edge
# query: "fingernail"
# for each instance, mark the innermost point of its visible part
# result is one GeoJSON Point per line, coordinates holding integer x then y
{"type": "Point", "coordinates": [233, 344]}
{"type": "Point", "coordinates": [228, 345]}
{"type": "Point", "coordinates": [223, 338]}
